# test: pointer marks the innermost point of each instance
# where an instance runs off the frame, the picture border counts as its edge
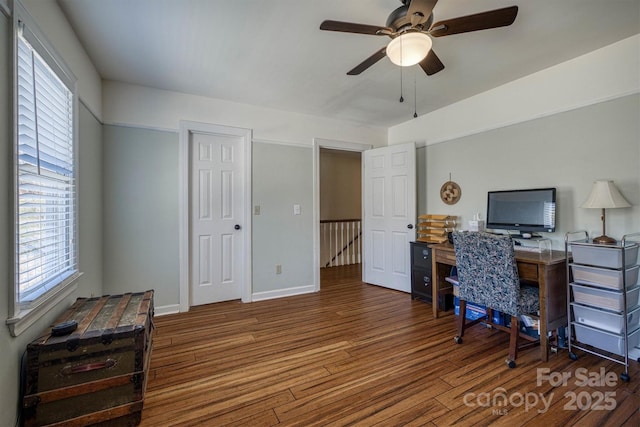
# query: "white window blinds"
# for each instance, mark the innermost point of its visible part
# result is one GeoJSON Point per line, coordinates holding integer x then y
{"type": "Point", "coordinates": [46, 200]}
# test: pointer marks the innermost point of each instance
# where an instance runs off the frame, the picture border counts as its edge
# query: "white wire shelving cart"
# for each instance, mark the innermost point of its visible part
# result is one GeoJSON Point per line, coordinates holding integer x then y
{"type": "Point", "coordinates": [603, 305]}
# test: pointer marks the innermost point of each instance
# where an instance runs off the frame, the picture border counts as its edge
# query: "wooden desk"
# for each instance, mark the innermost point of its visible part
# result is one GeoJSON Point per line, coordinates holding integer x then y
{"type": "Point", "coordinates": [547, 269]}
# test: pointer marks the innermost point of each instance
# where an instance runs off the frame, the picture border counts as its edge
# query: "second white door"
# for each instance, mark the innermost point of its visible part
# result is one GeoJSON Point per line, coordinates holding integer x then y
{"type": "Point", "coordinates": [217, 212]}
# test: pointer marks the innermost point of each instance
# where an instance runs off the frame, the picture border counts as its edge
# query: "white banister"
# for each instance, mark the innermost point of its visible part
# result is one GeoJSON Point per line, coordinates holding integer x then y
{"type": "Point", "coordinates": [340, 242]}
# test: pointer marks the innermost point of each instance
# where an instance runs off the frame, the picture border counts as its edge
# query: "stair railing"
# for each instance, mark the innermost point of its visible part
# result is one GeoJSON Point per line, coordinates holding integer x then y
{"type": "Point", "coordinates": [340, 242]}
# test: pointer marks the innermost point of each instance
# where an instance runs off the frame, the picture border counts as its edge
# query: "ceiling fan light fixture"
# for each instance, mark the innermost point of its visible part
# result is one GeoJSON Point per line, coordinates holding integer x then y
{"type": "Point", "coordinates": [409, 48]}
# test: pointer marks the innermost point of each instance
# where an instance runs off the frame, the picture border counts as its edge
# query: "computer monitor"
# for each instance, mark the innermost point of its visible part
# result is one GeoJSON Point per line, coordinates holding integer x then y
{"type": "Point", "coordinates": [527, 211]}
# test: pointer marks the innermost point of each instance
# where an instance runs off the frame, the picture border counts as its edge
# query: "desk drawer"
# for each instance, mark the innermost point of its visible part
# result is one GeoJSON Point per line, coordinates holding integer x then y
{"type": "Point", "coordinates": [421, 283]}
{"type": "Point", "coordinates": [528, 271]}
{"type": "Point", "coordinates": [420, 255]}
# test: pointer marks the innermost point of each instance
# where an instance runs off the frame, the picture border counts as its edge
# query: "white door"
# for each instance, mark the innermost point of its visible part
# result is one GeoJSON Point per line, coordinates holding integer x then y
{"type": "Point", "coordinates": [216, 222]}
{"type": "Point", "coordinates": [389, 215]}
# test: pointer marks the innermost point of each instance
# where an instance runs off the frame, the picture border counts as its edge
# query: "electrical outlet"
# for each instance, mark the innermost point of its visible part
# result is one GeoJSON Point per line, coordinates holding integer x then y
{"type": "Point", "coordinates": [278, 269]}
{"type": "Point", "coordinates": [256, 210]}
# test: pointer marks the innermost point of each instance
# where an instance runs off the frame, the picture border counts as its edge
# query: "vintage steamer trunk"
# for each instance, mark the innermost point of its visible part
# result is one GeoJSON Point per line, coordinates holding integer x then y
{"type": "Point", "coordinates": [97, 374]}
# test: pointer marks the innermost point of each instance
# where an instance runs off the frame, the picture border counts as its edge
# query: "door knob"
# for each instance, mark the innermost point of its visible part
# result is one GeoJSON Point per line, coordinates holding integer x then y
{"type": "Point", "coordinates": [410, 226]}
{"type": "Point", "coordinates": [237, 227]}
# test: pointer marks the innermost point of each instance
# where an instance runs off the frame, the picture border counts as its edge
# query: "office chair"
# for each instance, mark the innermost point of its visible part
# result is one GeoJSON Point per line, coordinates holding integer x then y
{"type": "Point", "coordinates": [488, 275]}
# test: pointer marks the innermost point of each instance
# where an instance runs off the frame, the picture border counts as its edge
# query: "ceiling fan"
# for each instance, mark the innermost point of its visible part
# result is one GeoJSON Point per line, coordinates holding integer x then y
{"type": "Point", "coordinates": [411, 27]}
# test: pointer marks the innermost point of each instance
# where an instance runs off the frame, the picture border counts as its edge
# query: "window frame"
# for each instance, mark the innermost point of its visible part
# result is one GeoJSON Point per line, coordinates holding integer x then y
{"type": "Point", "coordinates": [21, 316]}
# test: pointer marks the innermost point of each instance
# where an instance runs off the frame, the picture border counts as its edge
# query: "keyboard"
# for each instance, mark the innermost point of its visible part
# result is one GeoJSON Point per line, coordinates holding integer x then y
{"type": "Point", "coordinates": [521, 248]}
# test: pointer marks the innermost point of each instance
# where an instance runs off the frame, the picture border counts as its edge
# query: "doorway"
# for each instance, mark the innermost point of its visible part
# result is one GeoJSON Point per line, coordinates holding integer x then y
{"type": "Point", "coordinates": [337, 206]}
{"type": "Point", "coordinates": [340, 209]}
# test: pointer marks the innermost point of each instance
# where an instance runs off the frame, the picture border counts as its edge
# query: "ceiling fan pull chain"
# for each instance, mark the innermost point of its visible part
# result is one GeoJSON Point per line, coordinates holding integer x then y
{"type": "Point", "coordinates": [401, 97]}
{"type": "Point", "coordinates": [415, 95]}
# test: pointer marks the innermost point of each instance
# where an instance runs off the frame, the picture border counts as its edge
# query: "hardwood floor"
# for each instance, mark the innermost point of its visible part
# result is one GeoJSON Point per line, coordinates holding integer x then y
{"type": "Point", "coordinates": [357, 354]}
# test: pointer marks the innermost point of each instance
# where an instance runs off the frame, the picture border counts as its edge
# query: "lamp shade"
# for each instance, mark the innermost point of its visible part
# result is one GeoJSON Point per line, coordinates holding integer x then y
{"type": "Point", "coordinates": [605, 195]}
{"type": "Point", "coordinates": [409, 48]}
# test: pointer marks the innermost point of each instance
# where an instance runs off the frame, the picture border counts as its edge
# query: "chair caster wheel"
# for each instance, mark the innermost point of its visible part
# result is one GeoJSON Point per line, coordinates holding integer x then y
{"type": "Point", "coordinates": [624, 377]}
{"type": "Point", "coordinates": [458, 340]}
{"type": "Point", "coordinates": [573, 356]}
{"type": "Point", "coordinates": [511, 364]}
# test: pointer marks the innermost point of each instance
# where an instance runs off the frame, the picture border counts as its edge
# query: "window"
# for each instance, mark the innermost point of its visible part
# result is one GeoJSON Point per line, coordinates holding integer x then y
{"type": "Point", "coordinates": [46, 260]}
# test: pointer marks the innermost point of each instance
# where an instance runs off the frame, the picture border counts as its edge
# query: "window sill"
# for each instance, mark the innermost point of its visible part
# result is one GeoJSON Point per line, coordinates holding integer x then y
{"type": "Point", "coordinates": [27, 317]}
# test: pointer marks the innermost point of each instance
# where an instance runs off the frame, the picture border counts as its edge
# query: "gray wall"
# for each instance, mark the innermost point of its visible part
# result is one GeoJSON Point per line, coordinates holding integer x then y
{"type": "Point", "coordinates": [282, 177]}
{"type": "Point", "coordinates": [340, 184]}
{"type": "Point", "coordinates": [140, 216]}
{"type": "Point", "coordinates": [90, 230]}
{"type": "Point", "coordinates": [568, 151]}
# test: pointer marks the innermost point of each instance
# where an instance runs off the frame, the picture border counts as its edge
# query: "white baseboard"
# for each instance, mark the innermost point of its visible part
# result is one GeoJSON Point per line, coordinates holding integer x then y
{"type": "Point", "coordinates": [280, 293]}
{"type": "Point", "coordinates": [167, 309]}
{"type": "Point", "coordinates": [258, 296]}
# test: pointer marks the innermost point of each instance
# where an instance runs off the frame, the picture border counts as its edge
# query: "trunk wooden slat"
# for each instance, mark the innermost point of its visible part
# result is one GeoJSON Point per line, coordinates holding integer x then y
{"type": "Point", "coordinates": [97, 374]}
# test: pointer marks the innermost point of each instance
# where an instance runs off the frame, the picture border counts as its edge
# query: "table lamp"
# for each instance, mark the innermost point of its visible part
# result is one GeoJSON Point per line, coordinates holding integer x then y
{"type": "Point", "coordinates": [604, 194]}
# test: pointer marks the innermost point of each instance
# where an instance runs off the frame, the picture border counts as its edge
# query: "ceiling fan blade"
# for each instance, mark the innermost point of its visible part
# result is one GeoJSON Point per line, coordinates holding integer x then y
{"type": "Point", "coordinates": [350, 27]}
{"type": "Point", "coordinates": [368, 62]}
{"type": "Point", "coordinates": [424, 7]}
{"type": "Point", "coordinates": [479, 21]}
{"type": "Point", "coordinates": [431, 64]}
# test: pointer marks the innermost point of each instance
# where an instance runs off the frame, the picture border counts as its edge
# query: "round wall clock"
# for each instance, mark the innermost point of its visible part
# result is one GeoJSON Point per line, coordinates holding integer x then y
{"type": "Point", "coordinates": [450, 193]}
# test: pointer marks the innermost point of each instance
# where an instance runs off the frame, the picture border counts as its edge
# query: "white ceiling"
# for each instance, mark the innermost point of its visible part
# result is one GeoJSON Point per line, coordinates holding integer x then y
{"type": "Point", "coordinates": [273, 54]}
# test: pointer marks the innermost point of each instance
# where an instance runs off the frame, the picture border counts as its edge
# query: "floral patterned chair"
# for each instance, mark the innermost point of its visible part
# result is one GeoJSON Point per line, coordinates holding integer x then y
{"type": "Point", "coordinates": [488, 275]}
